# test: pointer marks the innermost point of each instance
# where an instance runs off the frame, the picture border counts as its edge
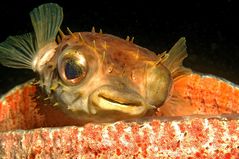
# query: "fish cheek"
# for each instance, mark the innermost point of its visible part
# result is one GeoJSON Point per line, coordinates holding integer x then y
{"type": "Point", "coordinates": [158, 84]}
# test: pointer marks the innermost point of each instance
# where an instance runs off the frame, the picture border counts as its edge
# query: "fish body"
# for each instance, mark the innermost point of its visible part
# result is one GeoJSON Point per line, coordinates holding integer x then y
{"type": "Point", "coordinates": [96, 78]}
{"type": "Point", "coordinates": [115, 77]}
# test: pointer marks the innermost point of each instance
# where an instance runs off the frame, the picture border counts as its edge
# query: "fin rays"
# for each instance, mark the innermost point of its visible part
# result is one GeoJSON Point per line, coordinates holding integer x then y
{"type": "Point", "coordinates": [19, 51]}
{"type": "Point", "coordinates": [174, 61]}
{"type": "Point", "coordinates": [46, 20]}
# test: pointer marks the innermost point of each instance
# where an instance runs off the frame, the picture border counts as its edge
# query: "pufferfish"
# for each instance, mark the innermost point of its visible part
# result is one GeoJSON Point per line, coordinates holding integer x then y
{"type": "Point", "coordinates": [94, 76]}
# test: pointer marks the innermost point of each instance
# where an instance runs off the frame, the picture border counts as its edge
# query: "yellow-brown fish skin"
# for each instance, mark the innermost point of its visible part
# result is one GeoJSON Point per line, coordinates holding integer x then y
{"type": "Point", "coordinates": [121, 79]}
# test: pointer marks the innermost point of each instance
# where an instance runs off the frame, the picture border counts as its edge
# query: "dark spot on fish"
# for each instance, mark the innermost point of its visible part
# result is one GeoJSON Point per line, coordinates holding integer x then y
{"type": "Point", "coordinates": [50, 66]}
{"type": "Point", "coordinates": [64, 47]}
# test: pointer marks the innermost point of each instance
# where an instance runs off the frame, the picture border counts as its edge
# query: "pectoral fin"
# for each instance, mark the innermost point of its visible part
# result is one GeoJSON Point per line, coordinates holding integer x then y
{"type": "Point", "coordinates": [20, 51]}
{"type": "Point", "coordinates": [174, 61]}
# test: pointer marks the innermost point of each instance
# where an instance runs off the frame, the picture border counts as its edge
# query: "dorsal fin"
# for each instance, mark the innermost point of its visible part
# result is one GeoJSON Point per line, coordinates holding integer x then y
{"type": "Point", "coordinates": [174, 61]}
{"type": "Point", "coordinates": [46, 21]}
{"type": "Point", "coordinates": [19, 51]}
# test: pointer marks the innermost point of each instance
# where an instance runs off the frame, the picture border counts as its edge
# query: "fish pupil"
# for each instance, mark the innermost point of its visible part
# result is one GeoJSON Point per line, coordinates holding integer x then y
{"type": "Point", "coordinates": [72, 70]}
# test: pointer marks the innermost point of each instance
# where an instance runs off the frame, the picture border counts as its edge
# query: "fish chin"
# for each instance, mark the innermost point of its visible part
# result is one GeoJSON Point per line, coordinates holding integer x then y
{"type": "Point", "coordinates": [122, 100]}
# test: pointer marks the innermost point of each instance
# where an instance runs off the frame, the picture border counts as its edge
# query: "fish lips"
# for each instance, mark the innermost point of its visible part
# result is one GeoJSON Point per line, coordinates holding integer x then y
{"type": "Point", "coordinates": [121, 100]}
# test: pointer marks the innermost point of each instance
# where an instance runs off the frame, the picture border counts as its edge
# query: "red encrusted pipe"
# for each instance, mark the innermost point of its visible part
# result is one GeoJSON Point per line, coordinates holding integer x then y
{"type": "Point", "coordinates": [214, 137]}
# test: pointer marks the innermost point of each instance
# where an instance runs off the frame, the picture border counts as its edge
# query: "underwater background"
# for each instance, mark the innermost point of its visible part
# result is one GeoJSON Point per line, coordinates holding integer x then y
{"type": "Point", "coordinates": [211, 30]}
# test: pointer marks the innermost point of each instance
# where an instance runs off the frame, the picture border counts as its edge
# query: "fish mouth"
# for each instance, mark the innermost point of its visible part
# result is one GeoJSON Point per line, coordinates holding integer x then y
{"type": "Point", "coordinates": [121, 100]}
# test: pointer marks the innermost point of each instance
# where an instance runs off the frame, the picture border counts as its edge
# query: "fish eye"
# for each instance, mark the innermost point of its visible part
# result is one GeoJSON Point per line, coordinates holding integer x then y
{"type": "Point", "coordinates": [72, 67]}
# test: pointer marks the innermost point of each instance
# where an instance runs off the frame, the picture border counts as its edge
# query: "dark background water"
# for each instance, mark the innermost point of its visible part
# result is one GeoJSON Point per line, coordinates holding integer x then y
{"type": "Point", "coordinates": [211, 29]}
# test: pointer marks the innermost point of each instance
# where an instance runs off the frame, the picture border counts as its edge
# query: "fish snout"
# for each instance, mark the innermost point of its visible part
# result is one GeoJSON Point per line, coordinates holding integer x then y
{"type": "Point", "coordinates": [123, 100]}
